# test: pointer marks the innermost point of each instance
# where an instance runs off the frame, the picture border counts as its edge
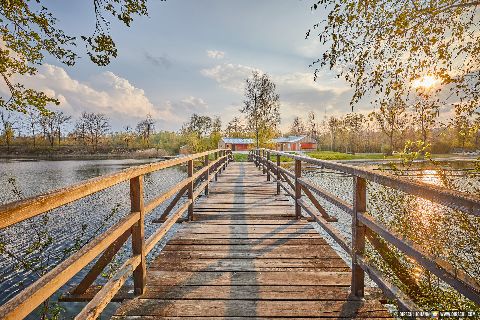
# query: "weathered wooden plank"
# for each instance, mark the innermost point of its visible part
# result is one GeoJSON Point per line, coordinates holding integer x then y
{"type": "Point", "coordinates": [247, 221]}
{"type": "Point", "coordinates": [324, 264]}
{"type": "Point", "coordinates": [252, 253]}
{"type": "Point", "coordinates": [246, 236]}
{"type": "Point", "coordinates": [303, 278]}
{"type": "Point", "coordinates": [282, 229]}
{"type": "Point", "coordinates": [253, 308]}
{"type": "Point", "coordinates": [291, 241]}
{"type": "Point", "coordinates": [311, 249]}
{"type": "Point", "coordinates": [210, 216]}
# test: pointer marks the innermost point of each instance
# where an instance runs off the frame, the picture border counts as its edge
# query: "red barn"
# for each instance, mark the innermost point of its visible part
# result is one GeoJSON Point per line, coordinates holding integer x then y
{"type": "Point", "coordinates": [295, 143]}
{"type": "Point", "coordinates": [236, 144]}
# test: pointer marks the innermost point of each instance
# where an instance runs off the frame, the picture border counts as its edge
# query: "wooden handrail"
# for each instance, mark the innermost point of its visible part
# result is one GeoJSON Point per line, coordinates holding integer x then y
{"type": "Point", "coordinates": [111, 240]}
{"type": "Point", "coordinates": [464, 202]}
{"type": "Point", "coordinates": [365, 227]}
{"type": "Point", "coordinates": [17, 211]}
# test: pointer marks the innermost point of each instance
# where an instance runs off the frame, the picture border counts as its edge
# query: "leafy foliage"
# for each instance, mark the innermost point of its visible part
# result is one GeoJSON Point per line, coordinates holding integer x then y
{"type": "Point", "coordinates": [261, 107]}
{"type": "Point", "coordinates": [383, 46]}
{"type": "Point", "coordinates": [29, 32]}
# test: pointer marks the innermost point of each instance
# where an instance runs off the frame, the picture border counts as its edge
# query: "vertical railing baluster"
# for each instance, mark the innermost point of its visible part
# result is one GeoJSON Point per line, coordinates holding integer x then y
{"type": "Point", "coordinates": [190, 189]}
{"type": "Point", "coordinates": [358, 235]}
{"type": "Point", "coordinates": [206, 163]}
{"type": "Point", "coordinates": [138, 234]}
{"type": "Point", "coordinates": [298, 188]}
{"type": "Point", "coordinates": [278, 173]}
{"type": "Point", "coordinates": [268, 166]}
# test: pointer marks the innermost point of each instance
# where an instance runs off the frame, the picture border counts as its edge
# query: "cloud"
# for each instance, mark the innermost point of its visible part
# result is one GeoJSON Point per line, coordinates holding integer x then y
{"type": "Point", "coordinates": [215, 54]}
{"type": "Point", "coordinates": [303, 81]}
{"type": "Point", "coordinates": [188, 106]}
{"type": "Point", "coordinates": [162, 61]}
{"type": "Point", "coordinates": [112, 95]}
{"type": "Point", "coordinates": [229, 76]}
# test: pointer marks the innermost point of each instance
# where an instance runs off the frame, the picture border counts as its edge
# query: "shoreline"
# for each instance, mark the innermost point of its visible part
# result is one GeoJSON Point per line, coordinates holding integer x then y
{"type": "Point", "coordinates": [99, 156]}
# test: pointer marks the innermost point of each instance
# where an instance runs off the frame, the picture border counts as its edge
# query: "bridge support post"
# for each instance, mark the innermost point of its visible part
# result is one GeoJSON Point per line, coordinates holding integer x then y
{"type": "Point", "coordinates": [138, 234]}
{"type": "Point", "coordinates": [206, 162]}
{"type": "Point", "coordinates": [268, 166]}
{"type": "Point", "coordinates": [278, 174]}
{"type": "Point", "coordinates": [298, 188]}
{"type": "Point", "coordinates": [358, 235]}
{"type": "Point", "coordinates": [190, 189]}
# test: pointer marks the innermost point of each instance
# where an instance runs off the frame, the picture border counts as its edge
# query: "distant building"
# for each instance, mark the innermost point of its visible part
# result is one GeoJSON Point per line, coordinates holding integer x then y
{"type": "Point", "coordinates": [295, 143]}
{"type": "Point", "coordinates": [236, 144]}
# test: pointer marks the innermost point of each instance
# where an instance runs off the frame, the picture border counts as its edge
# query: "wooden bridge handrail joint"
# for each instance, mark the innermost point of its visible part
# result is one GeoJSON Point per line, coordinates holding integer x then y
{"type": "Point", "coordinates": [108, 243]}
{"type": "Point", "coordinates": [364, 226]}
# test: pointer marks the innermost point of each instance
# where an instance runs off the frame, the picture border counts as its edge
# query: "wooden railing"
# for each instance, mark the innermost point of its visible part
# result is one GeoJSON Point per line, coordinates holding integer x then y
{"type": "Point", "coordinates": [109, 242]}
{"type": "Point", "coordinates": [366, 227]}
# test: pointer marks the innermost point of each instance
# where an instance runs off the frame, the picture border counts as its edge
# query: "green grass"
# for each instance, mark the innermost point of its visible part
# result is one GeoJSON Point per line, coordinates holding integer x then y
{"type": "Point", "coordinates": [331, 155]}
{"type": "Point", "coordinates": [240, 157]}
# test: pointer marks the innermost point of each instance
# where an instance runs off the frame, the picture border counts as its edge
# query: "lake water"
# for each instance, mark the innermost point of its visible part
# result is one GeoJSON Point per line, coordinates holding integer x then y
{"type": "Point", "coordinates": [66, 224]}
{"type": "Point", "coordinates": [21, 179]}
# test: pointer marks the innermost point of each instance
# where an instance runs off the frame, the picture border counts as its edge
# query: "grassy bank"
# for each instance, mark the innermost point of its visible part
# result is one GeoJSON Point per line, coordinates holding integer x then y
{"type": "Point", "coordinates": [331, 155]}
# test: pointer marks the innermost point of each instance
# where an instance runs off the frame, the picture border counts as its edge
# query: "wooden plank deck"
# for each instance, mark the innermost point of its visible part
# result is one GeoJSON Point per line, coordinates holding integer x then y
{"type": "Point", "coordinates": [245, 256]}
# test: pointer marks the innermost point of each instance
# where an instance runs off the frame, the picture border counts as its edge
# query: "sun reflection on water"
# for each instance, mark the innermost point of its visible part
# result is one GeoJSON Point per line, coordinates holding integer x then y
{"type": "Point", "coordinates": [431, 177]}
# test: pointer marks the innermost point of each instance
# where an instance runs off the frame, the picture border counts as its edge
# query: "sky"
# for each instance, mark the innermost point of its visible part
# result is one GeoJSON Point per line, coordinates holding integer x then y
{"type": "Point", "coordinates": [191, 56]}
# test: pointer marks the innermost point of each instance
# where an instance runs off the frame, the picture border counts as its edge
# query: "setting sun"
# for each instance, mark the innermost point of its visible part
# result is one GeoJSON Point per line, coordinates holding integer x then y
{"type": "Point", "coordinates": [426, 82]}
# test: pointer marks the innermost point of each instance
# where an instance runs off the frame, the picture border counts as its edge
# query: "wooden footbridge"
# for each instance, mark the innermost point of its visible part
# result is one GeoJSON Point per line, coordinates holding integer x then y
{"type": "Point", "coordinates": [246, 249]}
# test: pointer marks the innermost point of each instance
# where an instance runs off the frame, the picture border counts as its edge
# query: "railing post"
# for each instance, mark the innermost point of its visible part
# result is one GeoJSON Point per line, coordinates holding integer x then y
{"type": "Point", "coordinates": [358, 235]}
{"type": "Point", "coordinates": [278, 173]}
{"type": "Point", "coordinates": [138, 234]}
{"type": "Point", "coordinates": [216, 166]}
{"type": "Point", "coordinates": [225, 160]}
{"type": "Point", "coordinates": [298, 188]}
{"type": "Point", "coordinates": [206, 163]}
{"type": "Point", "coordinates": [268, 166]}
{"type": "Point", "coordinates": [264, 163]}
{"type": "Point", "coordinates": [190, 189]}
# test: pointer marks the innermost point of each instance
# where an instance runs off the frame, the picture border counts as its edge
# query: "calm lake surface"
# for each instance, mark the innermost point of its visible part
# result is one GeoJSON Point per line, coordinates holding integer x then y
{"type": "Point", "coordinates": [86, 217]}
{"type": "Point", "coordinates": [23, 178]}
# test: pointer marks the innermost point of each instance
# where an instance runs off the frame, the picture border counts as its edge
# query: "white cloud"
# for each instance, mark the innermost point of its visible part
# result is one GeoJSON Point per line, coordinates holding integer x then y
{"type": "Point", "coordinates": [303, 81]}
{"type": "Point", "coordinates": [215, 54]}
{"type": "Point", "coordinates": [229, 76]}
{"type": "Point", "coordinates": [112, 95]}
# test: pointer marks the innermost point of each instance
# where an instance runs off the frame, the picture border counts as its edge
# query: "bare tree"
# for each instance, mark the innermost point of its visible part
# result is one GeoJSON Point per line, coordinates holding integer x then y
{"type": "Point", "coordinates": [33, 123]}
{"type": "Point", "coordinates": [91, 127]}
{"type": "Point", "coordinates": [146, 128]}
{"type": "Point", "coordinates": [60, 119]}
{"type": "Point", "coordinates": [297, 128]}
{"type": "Point", "coordinates": [261, 106]}
{"type": "Point", "coordinates": [47, 123]}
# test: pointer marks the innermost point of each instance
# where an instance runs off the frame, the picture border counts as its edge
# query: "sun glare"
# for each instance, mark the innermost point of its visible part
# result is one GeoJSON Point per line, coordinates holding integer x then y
{"type": "Point", "coordinates": [426, 82]}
